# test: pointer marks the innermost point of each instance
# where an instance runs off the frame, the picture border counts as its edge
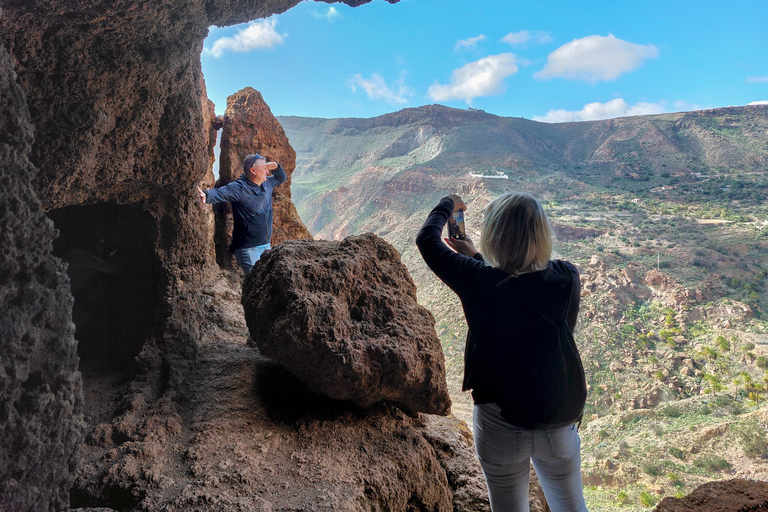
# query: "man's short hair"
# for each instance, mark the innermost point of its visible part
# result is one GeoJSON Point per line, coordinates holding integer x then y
{"type": "Point", "coordinates": [250, 160]}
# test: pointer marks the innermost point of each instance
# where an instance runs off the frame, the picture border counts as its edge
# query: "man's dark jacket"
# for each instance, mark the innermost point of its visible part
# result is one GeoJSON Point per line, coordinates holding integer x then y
{"type": "Point", "coordinates": [251, 208]}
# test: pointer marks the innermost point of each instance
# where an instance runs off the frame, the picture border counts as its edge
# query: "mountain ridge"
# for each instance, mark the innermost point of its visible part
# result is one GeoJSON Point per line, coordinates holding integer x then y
{"type": "Point", "coordinates": [665, 217]}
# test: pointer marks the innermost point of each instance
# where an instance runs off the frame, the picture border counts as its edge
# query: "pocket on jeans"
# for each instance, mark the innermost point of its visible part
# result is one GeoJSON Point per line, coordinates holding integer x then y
{"type": "Point", "coordinates": [563, 442]}
{"type": "Point", "coordinates": [496, 442]}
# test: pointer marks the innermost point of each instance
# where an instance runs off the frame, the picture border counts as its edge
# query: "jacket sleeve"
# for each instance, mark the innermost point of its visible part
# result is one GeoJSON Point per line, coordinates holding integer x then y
{"type": "Point", "coordinates": [229, 192]}
{"type": "Point", "coordinates": [573, 312]}
{"type": "Point", "coordinates": [459, 272]}
{"type": "Point", "coordinates": [279, 176]}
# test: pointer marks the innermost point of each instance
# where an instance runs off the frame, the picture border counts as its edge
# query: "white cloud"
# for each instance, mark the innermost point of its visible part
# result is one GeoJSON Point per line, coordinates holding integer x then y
{"type": "Point", "coordinates": [479, 78]}
{"type": "Point", "coordinates": [524, 36]}
{"type": "Point", "coordinates": [331, 14]}
{"type": "Point", "coordinates": [761, 102]}
{"type": "Point", "coordinates": [757, 79]}
{"type": "Point", "coordinates": [258, 35]}
{"type": "Point", "coordinates": [377, 89]}
{"type": "Point", "coordinates": [469, 42]}
{"type": "Point", "coordinates": [595, 58]}
{"type": "Point", "coordinates": [594, 111]}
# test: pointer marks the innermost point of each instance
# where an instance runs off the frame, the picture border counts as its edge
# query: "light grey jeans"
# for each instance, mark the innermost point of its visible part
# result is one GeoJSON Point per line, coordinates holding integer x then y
{"type": "Point", "coordinates": [506, 452]}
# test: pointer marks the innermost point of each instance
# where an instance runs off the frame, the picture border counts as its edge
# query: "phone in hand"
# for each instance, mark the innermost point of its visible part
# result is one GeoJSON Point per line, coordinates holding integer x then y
{"type": "Point", "coordinates": [456, 230]}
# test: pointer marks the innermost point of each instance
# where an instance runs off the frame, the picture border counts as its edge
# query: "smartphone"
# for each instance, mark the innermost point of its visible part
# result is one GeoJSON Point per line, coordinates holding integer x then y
{"type": "Point", "coordinates": [456, 230]}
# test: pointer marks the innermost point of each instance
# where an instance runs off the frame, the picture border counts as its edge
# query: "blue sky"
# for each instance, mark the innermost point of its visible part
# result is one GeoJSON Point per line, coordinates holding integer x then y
{"type": "Point", "coordinates": [551, 61]}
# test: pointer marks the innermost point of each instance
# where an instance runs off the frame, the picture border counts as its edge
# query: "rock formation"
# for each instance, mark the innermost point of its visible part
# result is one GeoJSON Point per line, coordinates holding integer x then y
{"type": "Point", "coordinates": [113, 92]}
{"type": "Point", "coordinates": [41, 422]}
{"type": "Point", "coordinates": [728, 496]}
{"type": "Point", "coordinates": [248, 126]}
{"type": "Point", "coordinates": [343, 318]}
{"type": "Point", "coordinates": [245, 434]}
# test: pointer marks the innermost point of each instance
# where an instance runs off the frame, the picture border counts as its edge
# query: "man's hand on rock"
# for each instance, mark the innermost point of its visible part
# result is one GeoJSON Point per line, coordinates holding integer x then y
{"type": "Point", "coordinates": [201, 194]}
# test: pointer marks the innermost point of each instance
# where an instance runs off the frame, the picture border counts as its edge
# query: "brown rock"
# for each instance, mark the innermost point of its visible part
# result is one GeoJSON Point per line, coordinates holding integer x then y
{"type": "Point", "coordinates": [249, 127]}
{"type": "Point", "coordinates": [567, 233]}
{"type": "Point", "coordinates": [115, 96]}
{"type": "Point", "coordinates": [725, 496]}
{"type": "Point", "coordinates": [658, 280]}
{"type": "Point", "coordinates": [343, 317]}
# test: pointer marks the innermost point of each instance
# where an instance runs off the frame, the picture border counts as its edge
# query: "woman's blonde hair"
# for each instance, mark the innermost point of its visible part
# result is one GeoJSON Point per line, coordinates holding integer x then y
{"type": "Point", "coordinates": [516, 235]}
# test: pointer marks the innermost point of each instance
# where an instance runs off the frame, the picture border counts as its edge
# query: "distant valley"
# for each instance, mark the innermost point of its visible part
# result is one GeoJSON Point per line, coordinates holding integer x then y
{"type": "Point", "coordinates": [666, 217]}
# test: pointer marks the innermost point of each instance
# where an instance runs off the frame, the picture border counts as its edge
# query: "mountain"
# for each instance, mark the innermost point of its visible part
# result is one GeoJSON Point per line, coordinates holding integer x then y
{"type": "Point", "coordinates": [664, 215]}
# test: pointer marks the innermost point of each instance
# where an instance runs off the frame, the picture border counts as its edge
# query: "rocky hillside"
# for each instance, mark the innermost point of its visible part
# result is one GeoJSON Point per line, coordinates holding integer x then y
{"type": "Point", "coordinates": [666, 218]}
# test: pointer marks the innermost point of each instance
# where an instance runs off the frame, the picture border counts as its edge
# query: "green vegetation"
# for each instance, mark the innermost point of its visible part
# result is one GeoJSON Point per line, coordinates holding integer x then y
{"type": "Point", "coordinates": [752, 437]}
{"type": "Point", "coordinates": [672, 254]}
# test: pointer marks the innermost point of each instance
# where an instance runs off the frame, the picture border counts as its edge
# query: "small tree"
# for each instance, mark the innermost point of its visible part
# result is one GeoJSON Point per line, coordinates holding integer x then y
{"type": "Point", "coordinates": [740, 380]}
{"type": "Point", "coordinates": [756, 391]}
{"type": "Point", "coordinates": [713, 382]}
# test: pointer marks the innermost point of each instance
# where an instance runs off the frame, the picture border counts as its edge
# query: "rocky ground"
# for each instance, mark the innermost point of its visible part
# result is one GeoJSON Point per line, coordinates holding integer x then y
{"type": "Point", "coordinates": [248, 436]}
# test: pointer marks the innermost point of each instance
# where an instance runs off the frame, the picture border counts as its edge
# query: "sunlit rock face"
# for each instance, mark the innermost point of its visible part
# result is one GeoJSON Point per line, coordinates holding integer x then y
{"type": "Point", "coordinates": [248, 127]}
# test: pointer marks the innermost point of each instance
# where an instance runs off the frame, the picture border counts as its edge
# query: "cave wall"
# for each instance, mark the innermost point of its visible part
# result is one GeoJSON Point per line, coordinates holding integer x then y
{"type": "Point", "coordinates": [114, 91]}
{"type": "Point", "coordinates": [115, 96]}
{"type": "Point", "coordinates": [41, 422]}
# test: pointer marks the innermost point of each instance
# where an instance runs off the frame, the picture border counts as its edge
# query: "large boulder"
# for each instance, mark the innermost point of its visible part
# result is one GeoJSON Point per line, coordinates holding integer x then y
{"type": "Point", "coordinates": [343, 318]}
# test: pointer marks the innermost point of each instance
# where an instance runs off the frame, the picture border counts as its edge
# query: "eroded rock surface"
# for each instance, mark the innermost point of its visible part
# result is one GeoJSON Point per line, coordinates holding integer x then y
{"type": "Point", "coordinates": [726, 496]}
{"type": "Point", "coordinates": [41, 424]}
{"type": "Point", "coordinates": [249, 436]}
{"type": "Point", "coordinates": [343, 318]}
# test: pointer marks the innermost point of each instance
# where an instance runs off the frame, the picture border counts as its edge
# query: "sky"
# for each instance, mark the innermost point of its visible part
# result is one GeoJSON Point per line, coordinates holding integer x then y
{"type": "Point", "coordinates": [551, 61]}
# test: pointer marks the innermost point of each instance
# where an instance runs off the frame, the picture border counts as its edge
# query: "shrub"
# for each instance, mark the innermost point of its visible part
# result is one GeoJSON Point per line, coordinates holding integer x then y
{"type": "Point", "coordinates": [677, 453]}
{"type": "Point", "coordinates": [671, 411]}
{"type": "Point", "coordinates": [762, 362]}
{"type": "Point", "coordinates": [647, 499]}
{"type": "Point", "coordinates": [622, 498]}
{"type": "Point", "coordinates": [752, 437]}
{"type": "Point", "coordinates": [723, 401]}
{"type": "Point", "coordinates": [651, 469]}
{"type": "Point", "coordinates": [675, 479]}
{"type": "Point", "coordinates": [712, 463]}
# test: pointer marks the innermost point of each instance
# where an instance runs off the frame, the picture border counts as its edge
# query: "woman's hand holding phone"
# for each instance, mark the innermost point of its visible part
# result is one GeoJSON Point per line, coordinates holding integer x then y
{"type": "Point", "coordinates": [465, 247]}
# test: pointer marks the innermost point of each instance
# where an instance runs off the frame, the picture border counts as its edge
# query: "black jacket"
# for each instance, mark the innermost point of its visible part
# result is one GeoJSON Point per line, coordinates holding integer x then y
{"type": "Point", "coordinates": [515, 355]}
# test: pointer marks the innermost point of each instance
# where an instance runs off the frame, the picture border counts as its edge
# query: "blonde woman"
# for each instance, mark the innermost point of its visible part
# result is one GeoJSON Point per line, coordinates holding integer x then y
{"type": "Point", "coordinates": [521, 363]}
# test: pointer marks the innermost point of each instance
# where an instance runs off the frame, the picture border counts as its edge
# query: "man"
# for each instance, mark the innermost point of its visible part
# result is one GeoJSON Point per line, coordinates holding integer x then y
{"type": "Point", "coordinates": [251, 198]}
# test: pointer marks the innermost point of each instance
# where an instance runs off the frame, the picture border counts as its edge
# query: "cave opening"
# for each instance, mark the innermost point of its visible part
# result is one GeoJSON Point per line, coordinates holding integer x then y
{"type": "Point", "coordinates": [115, 280]}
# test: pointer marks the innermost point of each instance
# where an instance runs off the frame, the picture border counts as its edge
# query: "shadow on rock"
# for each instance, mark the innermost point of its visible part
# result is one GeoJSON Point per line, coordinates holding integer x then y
{"type": "Point", "coordinates": [287, 400]}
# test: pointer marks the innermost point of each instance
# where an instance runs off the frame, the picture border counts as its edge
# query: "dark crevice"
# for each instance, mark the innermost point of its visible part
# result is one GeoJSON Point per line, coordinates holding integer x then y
{"type": "Point", "coordinates": [115, 279]}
